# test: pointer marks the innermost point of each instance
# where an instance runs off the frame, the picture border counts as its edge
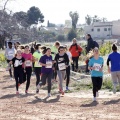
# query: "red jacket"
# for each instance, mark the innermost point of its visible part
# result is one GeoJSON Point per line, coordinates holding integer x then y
{"type": "Point", "coordinates": [75, 50]}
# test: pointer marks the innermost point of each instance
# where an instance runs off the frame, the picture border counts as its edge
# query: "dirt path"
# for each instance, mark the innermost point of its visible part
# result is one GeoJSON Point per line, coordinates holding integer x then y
{"type": "Point", "coordinates": [71, 106]}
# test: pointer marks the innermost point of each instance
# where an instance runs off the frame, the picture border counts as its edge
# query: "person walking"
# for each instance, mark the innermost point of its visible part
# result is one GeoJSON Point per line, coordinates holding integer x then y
{"type": "Point", "coordinates": [75, 50]}
{"type": "Point", "coordinates": [95, 65]}
{"type": "Point", "coordinates": [62, 62]}
{"type": "Point", "coordinates": [114, 59]}
{"type": "Point", "coordinates": [18, 62]}
{"type": "Point", "coordinates": [10, 54]}
{"type": "Point", "coordinates": [46, 70]}
{"type": "Point", "coordinates": [27, 67]}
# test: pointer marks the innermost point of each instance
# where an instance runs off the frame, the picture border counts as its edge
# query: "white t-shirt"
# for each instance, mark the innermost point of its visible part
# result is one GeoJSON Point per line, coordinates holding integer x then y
{"type": "Point", "coordinates": [69, 55]}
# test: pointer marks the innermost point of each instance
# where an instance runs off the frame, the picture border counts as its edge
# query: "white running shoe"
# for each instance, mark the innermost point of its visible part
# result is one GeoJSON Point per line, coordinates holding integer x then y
{"type": "Point", "coordinates": [97, 94]}
{"type": "Point", "coordinates": [49, 95]}
{"type": "Point", "coordinates": [94, 98]}
{"type": "Point", "coordinates": [11, 78]}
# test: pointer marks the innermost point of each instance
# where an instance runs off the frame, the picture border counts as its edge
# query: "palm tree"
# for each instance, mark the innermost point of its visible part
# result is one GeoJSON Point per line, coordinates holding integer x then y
{"type": "Point", "coordinates": [88, 19]}
{"type": "Point", "coordinates": [74, 16]}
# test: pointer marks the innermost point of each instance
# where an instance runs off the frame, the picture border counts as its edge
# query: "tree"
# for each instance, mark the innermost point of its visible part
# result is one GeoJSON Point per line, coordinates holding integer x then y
{"type": "Point", "coordinates": [72, 34]}
{"type": "Point", "coordinates": [96, 19]}
{"type": "Point", "coordinates": [104, 19]}
{"type": "Point", "coordinates": [35, 16]}
{"type": "Point", "coordinates": [61, 38]}
{"type": "Point", "coordinates": [88, 19]}
{"type": "Point", "coordinates": [74, 16]}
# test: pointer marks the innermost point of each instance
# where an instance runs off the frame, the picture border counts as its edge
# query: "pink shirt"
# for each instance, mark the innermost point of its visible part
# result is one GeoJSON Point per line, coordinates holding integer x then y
{"type": "Point", "coordinates": [28, 59]}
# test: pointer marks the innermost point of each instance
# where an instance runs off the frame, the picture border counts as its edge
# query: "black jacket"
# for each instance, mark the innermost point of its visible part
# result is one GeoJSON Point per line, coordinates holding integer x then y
{"type": "Point", "coordinates": [90, 45]}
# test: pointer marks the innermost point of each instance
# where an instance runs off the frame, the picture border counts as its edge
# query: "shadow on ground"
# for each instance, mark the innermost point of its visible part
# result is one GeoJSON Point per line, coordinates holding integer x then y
{"type": "Point", "coordinates": [8, 96]}
{"type": "Point", "coordinates": [112, 102]}
{"type": "Point", "coordinates": [92, 104]}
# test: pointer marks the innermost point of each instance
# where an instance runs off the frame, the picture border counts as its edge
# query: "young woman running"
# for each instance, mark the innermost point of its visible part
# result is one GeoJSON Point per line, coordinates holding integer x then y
{"type": "Point", "coordinates": [62, 62]}
{"type": "Point", "coordinates": [114, 58]}
{"type": "Point", "coordinates": [46, 70]}
{"type": "Point", "coordinates": [95, 65]}
{"type": "Point", "coordinates": [37, 67]}
{"type": "Point", "coordinates": [68, 68]}
{"type": "Point", "coordinates": [27, 67]}
{"type": "Point", "coordinates": [18, 62]}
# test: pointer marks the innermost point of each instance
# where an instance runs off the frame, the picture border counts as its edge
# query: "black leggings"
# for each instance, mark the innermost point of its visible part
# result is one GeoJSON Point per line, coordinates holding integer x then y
{"type": "Point", "coordinates": [97, 83]}
{"type": "Point", "coordinates": [10, 70]}
{"type": "Point", "coordinates": [18, 74]}
{"type": "Point", "coordinates": [68, 75]}
{"type": "Point", "coordinates": [37, 73]}
{"type": "Point", "coordinates": [47, 77]}
{"type": "Point", "coordinates": [75, 61]}
{"type": "Point", "coordinates": [27, 76]}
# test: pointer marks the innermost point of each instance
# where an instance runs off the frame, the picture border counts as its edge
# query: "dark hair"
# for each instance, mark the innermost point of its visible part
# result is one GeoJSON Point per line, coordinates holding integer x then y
{"type": "Point", "coordinates": [37, 46]}
{"type": "Point", "coordinates": [45, 50]}
{"type": "Point", "coordinates": [27, 46]}
{"type": "Point", "coordinates": [18, 43]}
{"type": "Point", "coordinates": [10, 43]}
{"type": "Point", "coordinates": [114, 47]}
{"type": "Point", "coordinates": [61, 47]}
{"type": "Point", "coordinates": [89, 35]}
{"type": "Point", "coordinates": [57, 43]}
{"type": "Point", "coordinates": [22, 47]}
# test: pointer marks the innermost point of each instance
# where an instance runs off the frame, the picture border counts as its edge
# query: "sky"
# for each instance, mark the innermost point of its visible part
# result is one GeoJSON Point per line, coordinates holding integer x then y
{"type": "Point", "coordinates": [57, 11]}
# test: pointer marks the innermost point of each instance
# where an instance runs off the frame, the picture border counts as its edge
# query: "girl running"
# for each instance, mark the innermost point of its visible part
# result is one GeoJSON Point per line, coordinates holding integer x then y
{"type": "Point", "coordinates": [68, 68]}
{"type": "Point", "coordinates": [46, 70]}
{"type": "Point", "coordinates": [27, 67]}
{"type": "Point", "coordinates": [95, 65]}
{"type": "Point", "coordinates": [114, 58]}
{"type": "Point", "coordinates": [18, 62]}
{"type": "Point", "coordinates": [37, 67]}
{"type": "Point", "coordinates": [62, 62]}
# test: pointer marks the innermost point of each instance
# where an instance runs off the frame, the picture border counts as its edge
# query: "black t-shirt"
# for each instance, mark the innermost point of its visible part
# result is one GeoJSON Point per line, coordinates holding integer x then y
{"type": "Point", "coordinates": [17, 63]}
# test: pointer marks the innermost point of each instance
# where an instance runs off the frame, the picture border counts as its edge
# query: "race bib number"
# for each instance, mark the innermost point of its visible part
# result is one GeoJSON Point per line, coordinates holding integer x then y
{"type": "Point", "coordinates": [10, 53]}
{"type": "Point", "coordinates": [61, 66]}
{"type": "Point", "coordinates": [48, 64]}
{"type": "Point", "coordinates": [97, 66]}
{"type": "Point", "coordinates": [28, 63]}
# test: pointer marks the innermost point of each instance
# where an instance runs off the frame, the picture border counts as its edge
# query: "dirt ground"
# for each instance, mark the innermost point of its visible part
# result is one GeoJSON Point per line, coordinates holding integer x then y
{"type": "Point", "coordinates": [71, 106]}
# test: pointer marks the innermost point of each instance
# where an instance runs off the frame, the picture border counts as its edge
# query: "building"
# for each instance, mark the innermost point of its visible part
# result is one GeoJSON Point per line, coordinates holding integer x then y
{"type": "Point", "coordinates": [104, 30]}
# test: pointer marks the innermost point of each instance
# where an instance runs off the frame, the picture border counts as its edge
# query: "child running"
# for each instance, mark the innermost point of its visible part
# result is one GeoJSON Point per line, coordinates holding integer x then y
{"type": "Point", "coordinates": [18, 62]}
{"type": "Point", "coordinates": [114, 58]}
{"type": "Point", "coordinates": [95, 65]}
{"type": "Point", "coordinates": [27, 66]}
{"type": "Point", "coordinates": [62, 62]}
{"type": "Point", "coordinates": [46, 70]}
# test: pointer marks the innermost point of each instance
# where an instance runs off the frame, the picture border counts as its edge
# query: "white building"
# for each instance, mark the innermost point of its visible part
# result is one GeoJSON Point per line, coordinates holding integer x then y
{"type": "Point", "coordinates": [103, 29]}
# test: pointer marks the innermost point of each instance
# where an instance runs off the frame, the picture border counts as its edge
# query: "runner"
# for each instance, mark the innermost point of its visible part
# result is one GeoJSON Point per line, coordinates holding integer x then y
{"type": "Point", "coordinates": [46, 70]}
{"type": "Point", "coordinates": [54, 51]}
{"type": "Point", "coordinates": [37, 67]}
{"type": "Point", "coordinates": [68, 68]}
{"type": "Point", "coordinates": [27, 67]}
{"type": "Point", "coordinates": [75, 50]}
{"type": "Point", "coordinates": [18, 62]}
{"type": "Point", "coordinates": [96, 65]}
{"type": "Point", "coordinates": [114, 58]}
{"type": "Point", "coordinates": [10, 54]}
{"type": "Point", "coordinates": [62, 61]}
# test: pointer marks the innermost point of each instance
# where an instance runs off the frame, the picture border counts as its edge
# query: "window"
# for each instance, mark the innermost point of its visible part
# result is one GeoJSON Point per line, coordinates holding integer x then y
{"type": "Point", "coordinates": [98, 29]}
{"type": "Point", "coordinates": [92, 30]}
{"type": "Point", "coordinates": [105, 29]}
{"type": "Point", "coordinates": [109, 29]}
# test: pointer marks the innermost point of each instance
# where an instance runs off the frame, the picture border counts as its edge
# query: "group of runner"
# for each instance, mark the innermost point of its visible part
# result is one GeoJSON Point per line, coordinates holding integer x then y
{"type": "Point", "coordinates": [48, 63]}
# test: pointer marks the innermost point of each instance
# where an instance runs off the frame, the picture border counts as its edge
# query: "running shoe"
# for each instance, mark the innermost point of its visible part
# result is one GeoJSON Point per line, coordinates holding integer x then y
{"type": "Point", "coordinates": [26, 91]}
{"type": "Point", "coordinates": [11, 78]}
{"type": "Point", "coordinates": [19, 84]}
{"type": "Point", "coordinates": [17, 93]}
{"type": "Point", "coordinates": [94, 98]}
{"type": "Point", "coordinates": [37, 90]}
{"type": "Point", "coordinates": [49, 95]}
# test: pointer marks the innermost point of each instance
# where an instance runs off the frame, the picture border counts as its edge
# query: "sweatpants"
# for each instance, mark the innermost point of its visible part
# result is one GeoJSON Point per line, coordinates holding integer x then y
{"type": "Point", "coordinates": [97, 83]}
{"type": "Point", "coordinates": [46, 77]}
{"type": "Point", "coordinates": [61, 76]}
{"type": "Point", "coordinates": [10, 70]}
{"type": "Point", "coordinates": [18, 74]}
{"type": "Point", "coordinates": [75, 63]}
{"type": "Point", "coordinates": [27, 76]}
{"type": "Point", "coordinates": [115, 77]}
{"type": "Point", "coordinates": [67, 75]}
{"type": "Point", "coordinates": [37, 73]}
